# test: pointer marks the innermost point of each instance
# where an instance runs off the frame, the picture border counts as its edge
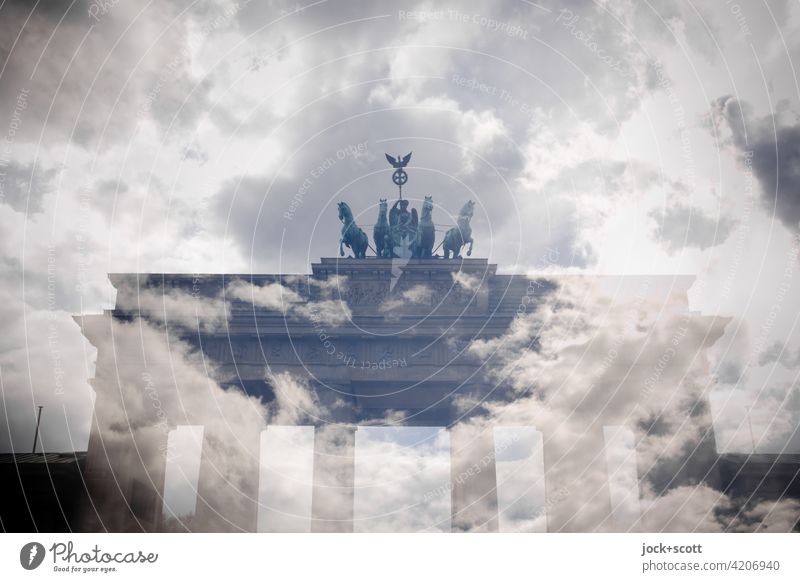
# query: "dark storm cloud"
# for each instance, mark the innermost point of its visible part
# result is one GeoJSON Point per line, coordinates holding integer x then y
{"type": "Point", "coordinates": [779, 352]}
{"type": "Point", "coordinates": [55, 9]}
{"type": "Point", "coordinates": [106, 196]}
{"type": "Point", "coordinates": [23, 186]}
{"type": "Point", "coordinates": [730, 372]}
{"type": "Point", "coordinates": [241, 214]}
{"type": "Point", "coordinates": [86, 76]}
{"type": "Point", "coordinates": [667, 21]}
{"type": "Point", "coordinates": [769, 147]}
{"type": "Point", "coordinates": [194, 152]}
{"type": "Point", "coordinates": [682, 226]}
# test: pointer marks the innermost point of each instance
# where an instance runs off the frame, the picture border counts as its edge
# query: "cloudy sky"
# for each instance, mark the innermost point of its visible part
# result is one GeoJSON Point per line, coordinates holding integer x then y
{"type": "Point", "coordinates": [599, 137]}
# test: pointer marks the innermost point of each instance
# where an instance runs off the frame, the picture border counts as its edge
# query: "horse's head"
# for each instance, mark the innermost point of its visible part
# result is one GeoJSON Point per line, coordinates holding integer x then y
{"type": "Point", "coordinates": [344, 212]}
{"type": "Point", "coordinates": [467, 210]}
{"type": "Point", "coordinates": [382, 205]}
{"type": "Point", "coordinates": [427, 206]}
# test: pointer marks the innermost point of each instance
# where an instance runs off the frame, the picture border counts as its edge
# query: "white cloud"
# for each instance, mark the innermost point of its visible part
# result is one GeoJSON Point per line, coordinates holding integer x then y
{"type": "Point", "coordinates": [278, 297]}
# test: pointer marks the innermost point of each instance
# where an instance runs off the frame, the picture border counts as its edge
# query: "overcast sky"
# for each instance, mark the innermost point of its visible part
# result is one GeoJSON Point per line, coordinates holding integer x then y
{"type": "Point", "coordinates": [217, 136]}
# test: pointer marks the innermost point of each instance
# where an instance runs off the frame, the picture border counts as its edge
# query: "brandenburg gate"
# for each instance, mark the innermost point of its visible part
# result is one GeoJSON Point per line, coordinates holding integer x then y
{"type": "Point", "coordinates": [398, 354]}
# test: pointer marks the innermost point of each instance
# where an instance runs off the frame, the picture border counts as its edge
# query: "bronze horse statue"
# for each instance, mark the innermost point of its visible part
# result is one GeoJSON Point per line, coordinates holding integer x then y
{"type": "Point", "coordinates": [461, 234]}
{"type": "Point", "coordinates": [422, 248]}
{"type": "Point", "coordinates": [352, 235]}
{"type": "Point", "coordinates": [381, 233]}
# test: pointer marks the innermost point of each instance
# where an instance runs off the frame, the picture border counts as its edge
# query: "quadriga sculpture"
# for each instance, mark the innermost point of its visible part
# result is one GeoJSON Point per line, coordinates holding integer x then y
{"type": "Point", "coordinates": [352, 235]}
{"type": "Point", "coordinates": [426, 232]}
{"type": "Point", "coordinates": [461, 234]}
{"type": "Point", "coordinates": [381, 233]}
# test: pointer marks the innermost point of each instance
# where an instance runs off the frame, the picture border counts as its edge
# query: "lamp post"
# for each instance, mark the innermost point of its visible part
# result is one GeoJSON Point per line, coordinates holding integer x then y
{"type": "Point", "coordinates": [36, 434]}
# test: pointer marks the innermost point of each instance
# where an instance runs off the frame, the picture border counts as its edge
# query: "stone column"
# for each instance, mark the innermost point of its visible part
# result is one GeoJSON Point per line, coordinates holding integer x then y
{"type": "Point", "coordinates": [227, 488]}
{"type": "Point", "coordinates": [334, 479]}
{"type": "Point", "coordinates": [473, 479]}
{"type": "Point", "coordinates": [576, 481]}
{"type": "Point", "coordinates": [124, 471]}
{"type": "Point", "coordinates": [623, 478]}
{"type": "Point", "coordinates": [104, 507]}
